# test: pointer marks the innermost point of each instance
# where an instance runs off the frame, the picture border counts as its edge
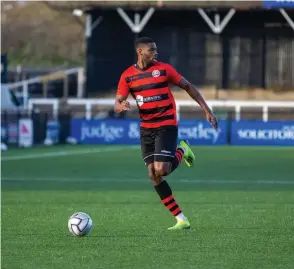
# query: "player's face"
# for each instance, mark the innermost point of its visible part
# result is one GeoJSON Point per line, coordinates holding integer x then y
{"type": "Point", "coordinates": [149, 53]}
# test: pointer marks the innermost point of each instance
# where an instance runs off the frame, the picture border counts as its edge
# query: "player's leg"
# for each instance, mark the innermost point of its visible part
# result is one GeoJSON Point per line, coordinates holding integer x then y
{"type": "Point", "coordinates": [148, 148]}
{"type": "Point", "coordinates": [148, 144]}
{"type": "Point", "coordinates": [165, 193]}
{"type": "Point", "coordinates": [166, 158]}
{"type": "Point", "coordinates": [151, 173]}
{"type": "Point", "coordinates": [183, 151]}
{"type": "Point", "coordinates": [147, 138]}
{"type": "Point", "coordinates": [167, 198]}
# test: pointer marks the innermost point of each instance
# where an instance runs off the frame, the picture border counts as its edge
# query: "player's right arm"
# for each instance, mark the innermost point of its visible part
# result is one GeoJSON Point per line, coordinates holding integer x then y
{"type": "Point", "coordinates": [121, 104]}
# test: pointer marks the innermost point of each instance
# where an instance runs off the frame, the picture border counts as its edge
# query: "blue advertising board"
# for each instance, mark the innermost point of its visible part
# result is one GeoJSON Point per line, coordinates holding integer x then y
{"type": "Point", "coordinates": [255, 132]}
{"type": "Point", "coordinates": [111, 131]}
{"type": "Point", "coordinates": [52, 131]}
{"type": "Point", "coordinates": [279, 4]}
{"type": "Point", "coordinates": [106, 131]}
{"type": "Point", "coordinates": [199, 132]}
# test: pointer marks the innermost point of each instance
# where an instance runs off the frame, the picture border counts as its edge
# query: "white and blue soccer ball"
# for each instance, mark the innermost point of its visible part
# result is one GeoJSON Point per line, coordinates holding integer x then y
{"type": "Point", "coordinates": [80, 224]}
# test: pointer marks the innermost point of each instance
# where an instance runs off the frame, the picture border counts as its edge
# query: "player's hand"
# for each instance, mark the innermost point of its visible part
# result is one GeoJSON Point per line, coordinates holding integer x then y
{"type": "Point", "coordinates": [212, 120]}
{"type": "Point", "coordinates": [123, 106]}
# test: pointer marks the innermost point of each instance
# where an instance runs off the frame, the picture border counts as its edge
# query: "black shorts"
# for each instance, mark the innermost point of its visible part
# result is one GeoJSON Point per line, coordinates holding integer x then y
{"type": "Point", "coordinates": [159, 144]}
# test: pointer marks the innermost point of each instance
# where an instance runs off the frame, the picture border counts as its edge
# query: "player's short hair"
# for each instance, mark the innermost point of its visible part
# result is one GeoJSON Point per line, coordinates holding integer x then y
{"type": "Point", "coordinates": [143, 41]}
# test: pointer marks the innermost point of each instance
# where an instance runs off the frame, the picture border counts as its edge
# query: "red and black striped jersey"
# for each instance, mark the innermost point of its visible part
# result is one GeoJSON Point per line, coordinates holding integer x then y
{"type": "Point", "coordinates": [150, 88]}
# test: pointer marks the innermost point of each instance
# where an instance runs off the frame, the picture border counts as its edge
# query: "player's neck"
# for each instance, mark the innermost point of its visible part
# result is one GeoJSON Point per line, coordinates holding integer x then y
{"type": "Point", "coordinates": [142, 65]}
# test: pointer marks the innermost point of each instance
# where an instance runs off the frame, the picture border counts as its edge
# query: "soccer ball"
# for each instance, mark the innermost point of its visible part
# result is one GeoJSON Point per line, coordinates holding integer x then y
{"type": "Point", "coordinates": [80, 224]}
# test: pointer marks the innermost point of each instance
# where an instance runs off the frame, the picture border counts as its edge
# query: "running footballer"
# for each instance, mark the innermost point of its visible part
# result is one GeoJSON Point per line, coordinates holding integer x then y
{"type": "Point", "coordinates": [148, 83]}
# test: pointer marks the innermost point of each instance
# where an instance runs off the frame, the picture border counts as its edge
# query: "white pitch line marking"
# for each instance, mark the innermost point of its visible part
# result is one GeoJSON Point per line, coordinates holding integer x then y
{"type": "Point", "coordinates": [63, 153]}
{"type": "Point", "coordinates": [140, 181]}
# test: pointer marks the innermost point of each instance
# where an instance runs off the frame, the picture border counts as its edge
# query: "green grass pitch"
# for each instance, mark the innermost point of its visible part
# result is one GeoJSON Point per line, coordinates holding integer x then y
{"type": "Point", "coordinates": [239, 200]}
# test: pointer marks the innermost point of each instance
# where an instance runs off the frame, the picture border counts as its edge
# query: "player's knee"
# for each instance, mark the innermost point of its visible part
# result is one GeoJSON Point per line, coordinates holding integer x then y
{"type": "Point", "coordinates": [162, 170]}
{"type": "Point", "coordinates": [151, 175]}
{"type": "Point", "coordinates": [151, 172]}
{"type": "Point", "coordinates": [154, 178]}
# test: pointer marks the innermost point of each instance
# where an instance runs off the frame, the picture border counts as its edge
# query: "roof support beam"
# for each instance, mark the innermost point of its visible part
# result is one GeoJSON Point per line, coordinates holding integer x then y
{"type": "Point", "coordinates": [217, 27]}
{"type": "Point", "coordinates": [287, 18]}
{"type": "Point", "coordinates": [91, 26]}
{"type": "Point", "coordinates": [138, 25]}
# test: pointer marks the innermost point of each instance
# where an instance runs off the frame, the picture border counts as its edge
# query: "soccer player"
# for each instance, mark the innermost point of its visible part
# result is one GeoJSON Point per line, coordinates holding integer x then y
{"type": "Point", "coordinates": [148, 83]}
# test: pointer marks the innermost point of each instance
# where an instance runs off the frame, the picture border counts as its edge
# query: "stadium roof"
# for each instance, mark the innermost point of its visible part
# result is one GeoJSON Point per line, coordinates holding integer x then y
{"type": "Point", "coordinates": [180, 4]}
{"type": "Point", "coordinates": [177, 4]}
{"type": "Point", "coordinates": [164, 4]}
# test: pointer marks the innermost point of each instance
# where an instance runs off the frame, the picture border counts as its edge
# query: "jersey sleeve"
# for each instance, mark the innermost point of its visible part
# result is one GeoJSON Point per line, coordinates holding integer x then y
{"type": "Point", "coordinates": [123, 87]}
{"type": "Point", "coordinates": [173, 76]}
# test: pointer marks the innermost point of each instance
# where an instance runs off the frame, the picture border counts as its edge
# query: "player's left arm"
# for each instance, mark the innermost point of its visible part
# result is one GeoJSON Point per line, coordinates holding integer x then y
{"type": "Point", "coordinates": [180, 81]}
{"type": "Point", "coordinates": [195, 94]}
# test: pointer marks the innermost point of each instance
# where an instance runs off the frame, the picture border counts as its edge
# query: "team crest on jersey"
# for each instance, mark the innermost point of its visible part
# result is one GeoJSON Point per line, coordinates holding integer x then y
{"type": "Point", "coordinates": [155, 73]}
